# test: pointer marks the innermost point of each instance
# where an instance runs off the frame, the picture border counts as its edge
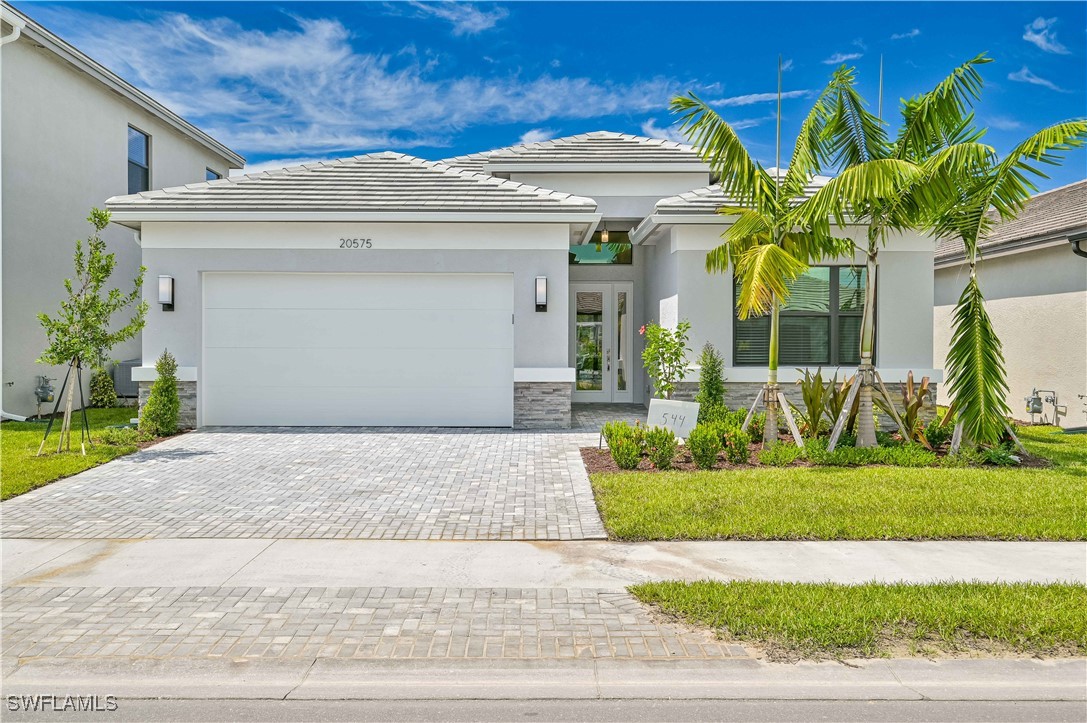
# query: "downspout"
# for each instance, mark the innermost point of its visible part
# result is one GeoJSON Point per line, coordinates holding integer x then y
{"type": "Point", "coordinates": [17, 26]}
{"type": "Point", "coordinates": [1077, 245]}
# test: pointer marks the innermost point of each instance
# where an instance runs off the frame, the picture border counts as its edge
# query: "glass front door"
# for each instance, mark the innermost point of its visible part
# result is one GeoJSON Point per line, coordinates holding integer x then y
{"type": "Point", "coordinates": [601, 345]}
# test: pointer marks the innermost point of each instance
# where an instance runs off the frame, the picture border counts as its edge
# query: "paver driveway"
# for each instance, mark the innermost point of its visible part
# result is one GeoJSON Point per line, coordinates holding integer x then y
{"type": "Point", "coordinates": [342, 483]}
{"type": "Point", "coordinates": [350, 483]}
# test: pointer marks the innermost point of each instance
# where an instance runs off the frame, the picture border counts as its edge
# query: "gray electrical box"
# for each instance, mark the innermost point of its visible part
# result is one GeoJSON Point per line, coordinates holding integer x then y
{"type": "Point", "coordinates": [122, 378]}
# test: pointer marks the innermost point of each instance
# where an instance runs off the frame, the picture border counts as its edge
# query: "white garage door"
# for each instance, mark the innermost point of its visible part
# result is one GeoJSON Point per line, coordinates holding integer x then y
{"type": "Point", "coordinates": [358, 349]}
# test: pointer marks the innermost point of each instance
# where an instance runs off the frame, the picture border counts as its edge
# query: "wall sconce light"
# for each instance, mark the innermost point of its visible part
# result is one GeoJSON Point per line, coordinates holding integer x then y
{"type": "Point", "coordinates": [166, 292]}
{"type": "Point", "coordinates": [541, 293]}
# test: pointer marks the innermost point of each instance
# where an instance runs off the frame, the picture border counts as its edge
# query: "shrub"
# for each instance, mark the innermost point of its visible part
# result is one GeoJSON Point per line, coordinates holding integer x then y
{"type": "Point", "coordinates": [1000, 456]}
{"type": "Point", "coordinates": [704, 442]}
{"type": "Point", "coordinates": [665, 355]}
{"type": "Point", "coordinates": [638, 435]}
{"type": "Point", "coordinates": [780, 455]}
{"type": "Point", "coordinates": [626, 453]}
{"type": "Point", "coordinates": [122, 436]}
{"type": "Point", "coordinates": [710, 413]}
{"type": "Point", "coordinates": [814, 394]}
{"type": "Point", "coordinates": [612, 432]}
{"type": "Point", "coordinates": [735, 441]}
{"type": "Point", "coordinates": [661, 445]}
{"type": "Point", "coordinates": [711, 379]}
{"type": "Point", "coordinates": [159, 415]}
{"type": "Point", "coordinates": [937, 434]}
{"type": "Point", "coordinates": [758, 421]}
{"type": "Point", "coordinates": [904, 455]}
{"type": "Point", "coordinates": [103, 395]}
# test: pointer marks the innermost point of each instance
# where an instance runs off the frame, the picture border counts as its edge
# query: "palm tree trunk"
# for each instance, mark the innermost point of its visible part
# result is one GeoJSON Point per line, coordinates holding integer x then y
{"type": "Point", "coordinates": [770, 428]}
{"type": "Point", "coordinates": [866, 423]}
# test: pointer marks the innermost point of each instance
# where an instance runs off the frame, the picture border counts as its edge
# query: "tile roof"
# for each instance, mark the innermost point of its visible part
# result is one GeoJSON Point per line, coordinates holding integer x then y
{"type": "Point", "coordinates": [710, 198]}
{"type": "Point", "coordinates": [379, 182]}
{"type": "Point", "coordinates": [598, 147]}
{"type": "Point", "coordinates": [1061, 211]}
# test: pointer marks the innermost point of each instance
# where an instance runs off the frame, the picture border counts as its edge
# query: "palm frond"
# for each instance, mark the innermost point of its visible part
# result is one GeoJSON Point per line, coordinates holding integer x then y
{"type": "Point", "coordinates": [854, 135]}
{"type": "Point", "coordinates": [765, 271]}
{"type": "Point", "coordinates": [860, 188]}
{"type": "Point", "coordinates": [811, 152]}
{"type": "Point", "coordinates": [976, 376]}
{"type": "Point", "coordinates": [741, 177]}
{"type": "Point", "coordinates": [1011, 187]}
{"type": "Point", "coordinates": [941, 116]}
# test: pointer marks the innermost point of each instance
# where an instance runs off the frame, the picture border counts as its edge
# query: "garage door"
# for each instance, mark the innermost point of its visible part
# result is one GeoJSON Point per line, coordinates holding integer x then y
{"type": "Point", "coordinates": [358, 349]}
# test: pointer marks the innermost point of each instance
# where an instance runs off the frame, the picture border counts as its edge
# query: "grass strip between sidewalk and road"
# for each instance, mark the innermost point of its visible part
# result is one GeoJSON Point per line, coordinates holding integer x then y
{"type": "Point", "coordinates": [859, 503]}
{"type": "Point", "coordinates": [789, 621]}
{"type": "Point", "coordinates": [21, 471]}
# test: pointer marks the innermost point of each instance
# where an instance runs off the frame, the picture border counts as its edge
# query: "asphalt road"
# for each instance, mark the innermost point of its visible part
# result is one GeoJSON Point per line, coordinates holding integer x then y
{"type": "Point", "coordinates": [621, 711]}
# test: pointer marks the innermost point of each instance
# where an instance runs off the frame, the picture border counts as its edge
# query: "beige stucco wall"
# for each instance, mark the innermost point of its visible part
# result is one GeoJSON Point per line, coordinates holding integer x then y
{"type": "Point", "coordinates": [64, 150]}
{"type": "Point", "coordinates": [1038, 303]}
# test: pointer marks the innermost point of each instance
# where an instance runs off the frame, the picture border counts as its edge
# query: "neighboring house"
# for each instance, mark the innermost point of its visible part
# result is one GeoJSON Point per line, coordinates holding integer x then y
{"type": "Point", "coordinates": [72, 134]}
{"type": "Point", "coordinates": [486, 290]}
{"type": "Point", "coordinates": [1033, 273]}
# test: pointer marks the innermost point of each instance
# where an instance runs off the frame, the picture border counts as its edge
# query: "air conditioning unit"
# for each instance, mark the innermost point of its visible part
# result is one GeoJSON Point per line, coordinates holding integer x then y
{"type": "Point", "coordinates": [122, 378]}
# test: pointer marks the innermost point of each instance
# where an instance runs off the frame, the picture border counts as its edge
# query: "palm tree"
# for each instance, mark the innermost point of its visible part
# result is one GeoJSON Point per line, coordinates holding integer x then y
{"type": "Point", "coordinates": [763, 244]}
{"type": "Point", "coordinates": [989, 189]}
{"type": "Point", "coordinates": [887, 186]}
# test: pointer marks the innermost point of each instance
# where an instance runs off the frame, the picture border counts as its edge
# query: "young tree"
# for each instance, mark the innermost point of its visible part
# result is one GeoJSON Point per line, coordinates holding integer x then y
{"type": "Point", "coordinates": [160, 413]}
{"type": "Point", "coordinates": [764, 247]}
{"type": "Point", "coordinates": [81, 332]}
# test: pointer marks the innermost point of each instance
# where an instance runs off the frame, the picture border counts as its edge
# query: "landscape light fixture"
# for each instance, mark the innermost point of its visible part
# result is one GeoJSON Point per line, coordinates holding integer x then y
{"type": "Point", "coordinates": [166, 292]}
{"type": "Point", "coordinates": [541, 293]}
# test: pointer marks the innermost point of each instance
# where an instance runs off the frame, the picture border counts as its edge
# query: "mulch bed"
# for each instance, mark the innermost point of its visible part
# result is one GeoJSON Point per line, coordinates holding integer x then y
{"type": "Point", "coordinates": [598, 460]}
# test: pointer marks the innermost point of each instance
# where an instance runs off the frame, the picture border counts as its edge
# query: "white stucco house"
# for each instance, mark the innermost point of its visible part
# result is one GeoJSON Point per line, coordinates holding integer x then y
{"type": "Point", "coordinates": [72, 134]}
{"type": "Point", "coordinates": [494, 289]}
{"type": "Point", "coordinates": [1034, 276]}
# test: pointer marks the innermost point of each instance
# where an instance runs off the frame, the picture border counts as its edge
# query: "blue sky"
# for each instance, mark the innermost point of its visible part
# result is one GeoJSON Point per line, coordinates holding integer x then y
{"type": "Point", "coordinates": [288, 82]}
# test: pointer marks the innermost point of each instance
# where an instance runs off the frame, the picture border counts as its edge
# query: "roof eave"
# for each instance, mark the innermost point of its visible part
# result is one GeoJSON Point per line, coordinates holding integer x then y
{"type": "Point", "coordinates": [133, 218]}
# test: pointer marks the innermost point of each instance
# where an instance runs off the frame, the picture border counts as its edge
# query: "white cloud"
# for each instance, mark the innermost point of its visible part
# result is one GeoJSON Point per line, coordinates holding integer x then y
{"type": "Point", "coordinates": [536, 135]}
{"type": "Point", "coordinates": [752, 98]}
{"type": "Point", "coordinates": [842, 58]}
{"type": "Point", "coordinates": [903, 36]}
{"type": "Point", "coordinates": [859, 43]}
{"type": "Point", "coordinates": [466, 18]}
{"type": "Point", "coordinates": [1003, 123]}
{"type": "Point", "coordinates": [555, 62]}
{"type": "Point", "coordinates": [305, 91]}
{"type": "Point", "coordinates": [670, 133]}
{"type": "Point", "coordinates": [1039, 32]}
{"type": "Point", "coordinates": [787, 65]}
{"type": "Point", "coordinates": [1025, 76]}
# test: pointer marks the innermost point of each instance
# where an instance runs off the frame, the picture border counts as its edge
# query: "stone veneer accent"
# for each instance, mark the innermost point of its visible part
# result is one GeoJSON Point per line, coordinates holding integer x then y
{"type": "Point", "coordinates": [542, 405]}
{"type": "Point", "coordinates": [740, 395]}
{"type": "Point", "coordinates": [186, 392]}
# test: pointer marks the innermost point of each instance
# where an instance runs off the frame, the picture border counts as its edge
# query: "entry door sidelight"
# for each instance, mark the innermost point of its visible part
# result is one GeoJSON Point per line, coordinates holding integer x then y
{"type": "Point", "coordinates": [601, 344]}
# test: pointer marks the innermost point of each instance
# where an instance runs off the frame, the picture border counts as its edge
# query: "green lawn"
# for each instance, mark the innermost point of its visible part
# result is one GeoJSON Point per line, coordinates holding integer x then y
{"type": "Point", "coordinates": [824, 620]}
{"type": "Point", "coordinates": [860, 503]}
{"type": "Point", "coordinates": [21, 471]}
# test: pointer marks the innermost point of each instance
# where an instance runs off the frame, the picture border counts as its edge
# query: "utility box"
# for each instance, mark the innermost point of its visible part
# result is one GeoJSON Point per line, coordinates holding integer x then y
{"type": "Point", "coordinates": [122, 378]}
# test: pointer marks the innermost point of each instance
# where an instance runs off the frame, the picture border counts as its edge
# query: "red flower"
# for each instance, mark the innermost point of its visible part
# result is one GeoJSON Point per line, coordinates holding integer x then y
{"type": "Point", "coordinates": [642, 330]}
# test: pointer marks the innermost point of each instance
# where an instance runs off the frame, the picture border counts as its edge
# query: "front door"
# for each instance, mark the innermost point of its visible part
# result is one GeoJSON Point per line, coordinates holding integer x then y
{"type": "Point", "coordinates": [601, 326]}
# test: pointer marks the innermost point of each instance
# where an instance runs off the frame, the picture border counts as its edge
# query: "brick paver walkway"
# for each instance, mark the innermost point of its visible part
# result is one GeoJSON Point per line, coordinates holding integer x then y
{"type": "Point", "coordinates": [280, 623]}
{"type": "Point", "coordinates": [351, 483]}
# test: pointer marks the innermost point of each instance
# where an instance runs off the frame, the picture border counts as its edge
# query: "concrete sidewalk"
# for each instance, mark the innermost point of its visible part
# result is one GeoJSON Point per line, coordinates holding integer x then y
{"type": "Point", "coordinates": [890, 679]}
{"type": "Point", "coordinates": [584, 564]}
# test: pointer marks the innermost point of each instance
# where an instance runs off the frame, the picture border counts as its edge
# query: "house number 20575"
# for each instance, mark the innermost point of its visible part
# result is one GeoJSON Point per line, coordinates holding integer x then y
{"type": "Point", "coordinates": [356, 243]}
